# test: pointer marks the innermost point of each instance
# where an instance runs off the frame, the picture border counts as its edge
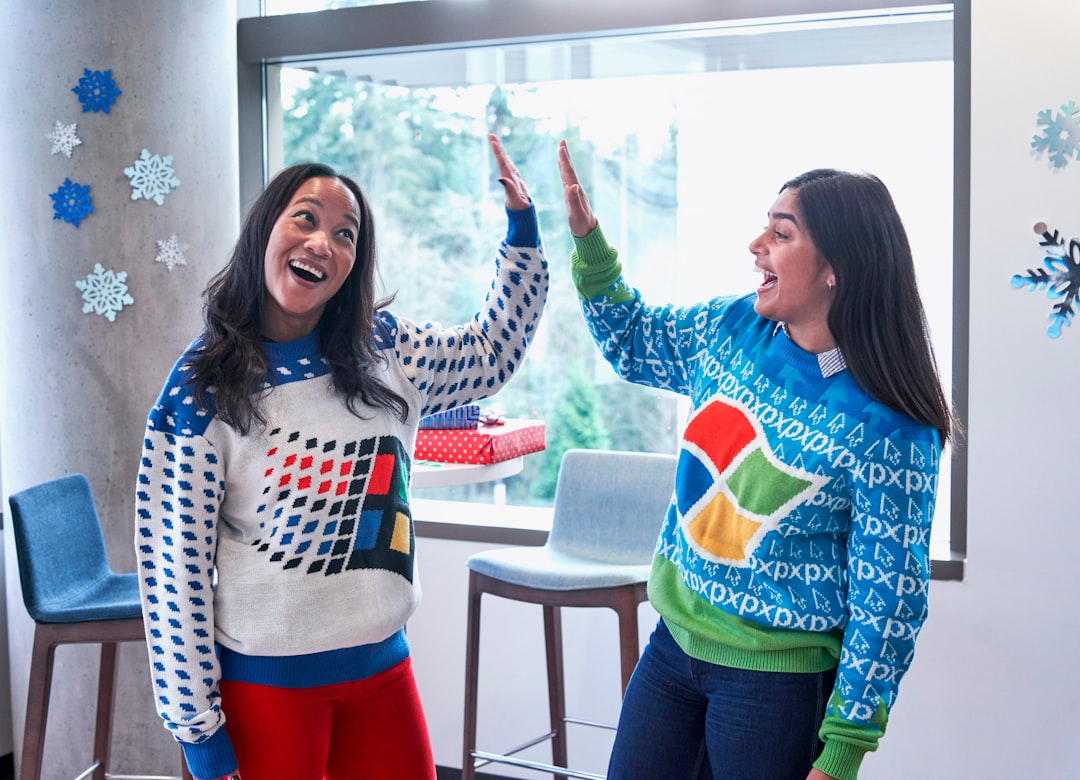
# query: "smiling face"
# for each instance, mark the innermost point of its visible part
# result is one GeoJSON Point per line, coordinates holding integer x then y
{"type": "Point", "coordinates": [310, 253]}
{"type": "Point", "coordinates": [797, 288]}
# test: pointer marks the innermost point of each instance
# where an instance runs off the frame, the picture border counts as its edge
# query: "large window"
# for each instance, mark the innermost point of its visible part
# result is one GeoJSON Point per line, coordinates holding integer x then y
{"type": "Point", "coordinates": [683, 135]}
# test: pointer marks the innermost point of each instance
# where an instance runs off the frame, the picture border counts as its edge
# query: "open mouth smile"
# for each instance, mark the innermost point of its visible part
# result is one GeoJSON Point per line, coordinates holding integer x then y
{"type": "Point", "coordinates": [306, 272]}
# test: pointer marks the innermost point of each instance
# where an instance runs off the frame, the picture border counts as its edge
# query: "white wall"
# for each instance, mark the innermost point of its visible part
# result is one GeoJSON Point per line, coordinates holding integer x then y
{"type": "Point", "coordinates": [992, 691]}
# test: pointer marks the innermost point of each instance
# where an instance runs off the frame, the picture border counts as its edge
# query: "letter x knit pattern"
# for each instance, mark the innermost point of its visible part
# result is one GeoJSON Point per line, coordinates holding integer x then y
{"type": "Point", "coordinates": [286, 556]}
{"type": "Point", "coordinates": [799, 532]}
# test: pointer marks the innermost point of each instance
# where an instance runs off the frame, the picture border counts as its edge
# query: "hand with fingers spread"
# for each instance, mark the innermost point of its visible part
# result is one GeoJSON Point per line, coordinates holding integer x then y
{"type": "Point", "coordinates": [582, 219]}
{"type": "Point", "coordinates": [517, 194]}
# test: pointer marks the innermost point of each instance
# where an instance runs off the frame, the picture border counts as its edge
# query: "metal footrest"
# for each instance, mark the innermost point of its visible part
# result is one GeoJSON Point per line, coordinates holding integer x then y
{"type": "Point", "coordinates": [495, 758]}
{"type": "Point", "coordinates": [480, 758]}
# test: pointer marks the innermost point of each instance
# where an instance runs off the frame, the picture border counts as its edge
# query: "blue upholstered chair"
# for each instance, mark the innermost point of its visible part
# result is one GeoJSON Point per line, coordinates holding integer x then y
{"type": "Point", "coordinates": [74, 598]}
{"type": "Point", "coordinates": [608, 510]}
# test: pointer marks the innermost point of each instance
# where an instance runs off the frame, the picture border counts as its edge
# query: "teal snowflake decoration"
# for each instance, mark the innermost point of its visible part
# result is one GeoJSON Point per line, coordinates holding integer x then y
{"type": "Point", "coordinates": [152, 177]}
{"type": "Point", "coordinates": [104, 292]}
{"type": "Point", "coordinates": [96, 90]}
{"type": "Point", "coordinates": [72, 202]}
{"type": "Point", "coordinates": [1060, 277]}
{"type": "Point", "coordinates": [1060, 137]}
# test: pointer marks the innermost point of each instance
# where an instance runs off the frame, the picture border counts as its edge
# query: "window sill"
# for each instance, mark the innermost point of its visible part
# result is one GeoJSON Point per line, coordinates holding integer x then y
{"type": "Point", "coordinates": [488, 523]}
{"type": "Point", "coordinates": [529, 526]}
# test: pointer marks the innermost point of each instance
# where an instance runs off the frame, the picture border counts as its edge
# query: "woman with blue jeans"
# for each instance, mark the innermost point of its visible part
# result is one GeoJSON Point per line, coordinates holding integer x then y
{"type": "Point", "coordinates": [792, 567]}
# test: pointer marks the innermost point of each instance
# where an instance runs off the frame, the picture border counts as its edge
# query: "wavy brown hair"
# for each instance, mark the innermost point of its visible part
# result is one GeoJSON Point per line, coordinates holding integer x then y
{"type": "Point", "coordinates": [231, 358]}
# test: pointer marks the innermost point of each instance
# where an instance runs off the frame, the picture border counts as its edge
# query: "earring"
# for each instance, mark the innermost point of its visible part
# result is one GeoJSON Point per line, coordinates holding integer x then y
{"type": "Point", "coordinates": [830, 284]}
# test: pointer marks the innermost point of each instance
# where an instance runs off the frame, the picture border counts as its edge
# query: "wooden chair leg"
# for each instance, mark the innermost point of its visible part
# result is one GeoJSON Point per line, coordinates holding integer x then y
{"type": "Point", "coordinates": [472, 677]}
{"type": "Point", "coordinates": [556, 685]}
{"type": "Point", "coordinates": [37, 704]}
{"type": "Point", "coordinates": [106, 701]}
{"type": "Point", "coordinates": [629, 646]}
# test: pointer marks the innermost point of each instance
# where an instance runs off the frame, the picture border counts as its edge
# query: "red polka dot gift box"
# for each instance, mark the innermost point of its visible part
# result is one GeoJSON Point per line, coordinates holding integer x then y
{"type": "Point", "coordinates": [484, 444]}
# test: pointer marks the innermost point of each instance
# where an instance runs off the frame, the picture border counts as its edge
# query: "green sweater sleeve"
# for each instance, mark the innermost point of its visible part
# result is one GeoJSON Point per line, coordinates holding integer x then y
{"type": "Point", "coordinates": [594, 265]}
{"type": "Point", "coordinates": [840, 759]}
{"type": "Point", "coordinates": [847, 743]}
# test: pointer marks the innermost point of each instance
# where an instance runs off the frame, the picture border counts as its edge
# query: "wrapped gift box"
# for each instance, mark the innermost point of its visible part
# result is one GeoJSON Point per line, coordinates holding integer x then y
{"type": "Point", "coordinates": [467, 416]}
{"type": "Point", "coordinates": [485, 444]}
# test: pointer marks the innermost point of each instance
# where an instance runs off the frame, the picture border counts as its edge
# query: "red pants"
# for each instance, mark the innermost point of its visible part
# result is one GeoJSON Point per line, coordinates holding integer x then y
{"type": "Point", "coordinates": [371, 729]}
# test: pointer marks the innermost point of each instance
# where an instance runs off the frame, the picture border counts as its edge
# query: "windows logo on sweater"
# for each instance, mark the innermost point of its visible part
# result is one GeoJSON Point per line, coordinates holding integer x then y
{"type": "Point", "coordinates": [337, 505]}
{"type": "Point", "coordinates": [734, 488]}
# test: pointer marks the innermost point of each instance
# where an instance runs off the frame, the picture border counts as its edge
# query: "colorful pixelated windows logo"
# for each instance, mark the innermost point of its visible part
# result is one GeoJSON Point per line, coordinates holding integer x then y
{"type": "Point", "coordinates": [337, 506]}
{"type": "Point", "coordinates": [733, 490]}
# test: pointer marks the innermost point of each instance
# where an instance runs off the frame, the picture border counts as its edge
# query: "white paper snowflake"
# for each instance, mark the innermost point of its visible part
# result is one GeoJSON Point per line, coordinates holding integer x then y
{"type": "Point", "coordinates": [152, 177]}
{"type": "Point", "coordinates": [63, 138]}
{"type": "Point", "coordinates": [171, 252]}
{"type": "Point", "coordinates": [105, 292]}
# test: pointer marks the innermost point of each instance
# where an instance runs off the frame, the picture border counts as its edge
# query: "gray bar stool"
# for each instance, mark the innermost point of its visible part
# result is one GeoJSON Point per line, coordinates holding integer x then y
{"type": "Point", "coordinates": [608, 510]}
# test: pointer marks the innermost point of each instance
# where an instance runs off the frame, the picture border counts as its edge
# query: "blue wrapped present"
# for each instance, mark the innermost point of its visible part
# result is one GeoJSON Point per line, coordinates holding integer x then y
{"type": "Point", "coordinates": [467, 416]}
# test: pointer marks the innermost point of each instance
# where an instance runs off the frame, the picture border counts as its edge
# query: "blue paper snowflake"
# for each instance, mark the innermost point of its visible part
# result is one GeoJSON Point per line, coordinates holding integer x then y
{"type": "Point", "coordinates": [1060, 277]}
{"type": "Point", "coordinates": [152, 177]}
{"type": "Point", "coordinates": [97, 91]}
{"type": "Point", "coordinates": [72, 202]}
{"type": "Point", "coordinates": [105, 292]}
{"type": "Point", "coordinates": [1060, 136]}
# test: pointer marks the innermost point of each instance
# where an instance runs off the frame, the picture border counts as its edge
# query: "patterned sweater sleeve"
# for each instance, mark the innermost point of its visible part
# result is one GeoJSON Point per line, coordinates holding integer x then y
{"type": "Point", "coordinates": [178, 495]}
{"type": "Point", "coordinates": [656, 346]}
{"type": "Point", "coordinates": [456, 365]}
{"type": "Point", "coordinates": [893, 496]}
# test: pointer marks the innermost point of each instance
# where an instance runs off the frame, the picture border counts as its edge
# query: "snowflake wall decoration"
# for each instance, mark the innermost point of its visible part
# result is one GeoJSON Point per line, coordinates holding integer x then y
{"type": "Point", "coordinates": [1059, 136]}
{"type": "Point", "coordinates": [96, 90]}
{"type": "Point", "coordinates": [152, 177]}
{"type": "Point", "coordinates": [171, 252]}
{"type": "Point", "coordinates": [63, 138]}
{"type": "Point", "coordinates": [104, 292]}
{"type": "Point", "coordinates": [1060, 277]}
{"type": "Point", "coordinates": [72, 202]}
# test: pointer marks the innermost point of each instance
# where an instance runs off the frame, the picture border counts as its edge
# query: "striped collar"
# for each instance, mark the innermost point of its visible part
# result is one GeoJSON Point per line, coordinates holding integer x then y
{"type": "Point", "coordinates": [831, 362]}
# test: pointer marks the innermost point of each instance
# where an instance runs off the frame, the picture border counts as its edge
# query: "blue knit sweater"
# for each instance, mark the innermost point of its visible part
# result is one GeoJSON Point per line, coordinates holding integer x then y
{"type": "Point", "coordinates": [798, 538]}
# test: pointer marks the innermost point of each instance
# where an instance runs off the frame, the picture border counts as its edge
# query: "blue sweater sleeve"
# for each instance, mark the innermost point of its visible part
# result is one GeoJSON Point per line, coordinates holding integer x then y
{"type": "Point", "coordinates": [888, 579]}
{"type": "Point", "coordinates": [655, 346]}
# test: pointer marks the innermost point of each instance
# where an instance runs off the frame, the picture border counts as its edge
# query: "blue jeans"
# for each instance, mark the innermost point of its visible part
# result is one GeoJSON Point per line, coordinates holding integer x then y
{"type": "Point", "coordinates": [684, 719]}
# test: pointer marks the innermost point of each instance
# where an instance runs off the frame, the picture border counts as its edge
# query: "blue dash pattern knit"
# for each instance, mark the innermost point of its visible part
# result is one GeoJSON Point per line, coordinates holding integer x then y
{"type": "Point", "coordinates": [286, 556]}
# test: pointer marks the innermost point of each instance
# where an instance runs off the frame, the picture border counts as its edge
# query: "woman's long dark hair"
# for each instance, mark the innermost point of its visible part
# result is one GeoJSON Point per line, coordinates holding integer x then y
{"type": "Point", "coordinates": [232, 361]}
{"type": "Point", "coordinates": [877, 316]}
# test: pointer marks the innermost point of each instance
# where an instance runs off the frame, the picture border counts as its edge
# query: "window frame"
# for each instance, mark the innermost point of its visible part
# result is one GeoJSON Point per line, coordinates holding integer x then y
{"type": "Point", "coordinates": [433, 24]}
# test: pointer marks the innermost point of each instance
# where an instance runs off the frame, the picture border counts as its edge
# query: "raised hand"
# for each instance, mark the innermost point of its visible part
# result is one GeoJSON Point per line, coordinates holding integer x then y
{"type": "Point", "coordinates": [582, 219]}
{"type": "Point", "coordinates": [517, 194]}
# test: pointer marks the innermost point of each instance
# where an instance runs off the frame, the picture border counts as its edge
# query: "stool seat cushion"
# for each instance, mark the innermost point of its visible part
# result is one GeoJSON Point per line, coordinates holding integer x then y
{"type": "Point", "coordinates": [113, 597]}
{"type": "Point", "coordinates": [550, 569]}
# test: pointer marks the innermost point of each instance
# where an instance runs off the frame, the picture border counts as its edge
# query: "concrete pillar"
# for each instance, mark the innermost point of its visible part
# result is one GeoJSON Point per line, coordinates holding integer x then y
{"type": "Point", "coordinates": [77, 387]}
